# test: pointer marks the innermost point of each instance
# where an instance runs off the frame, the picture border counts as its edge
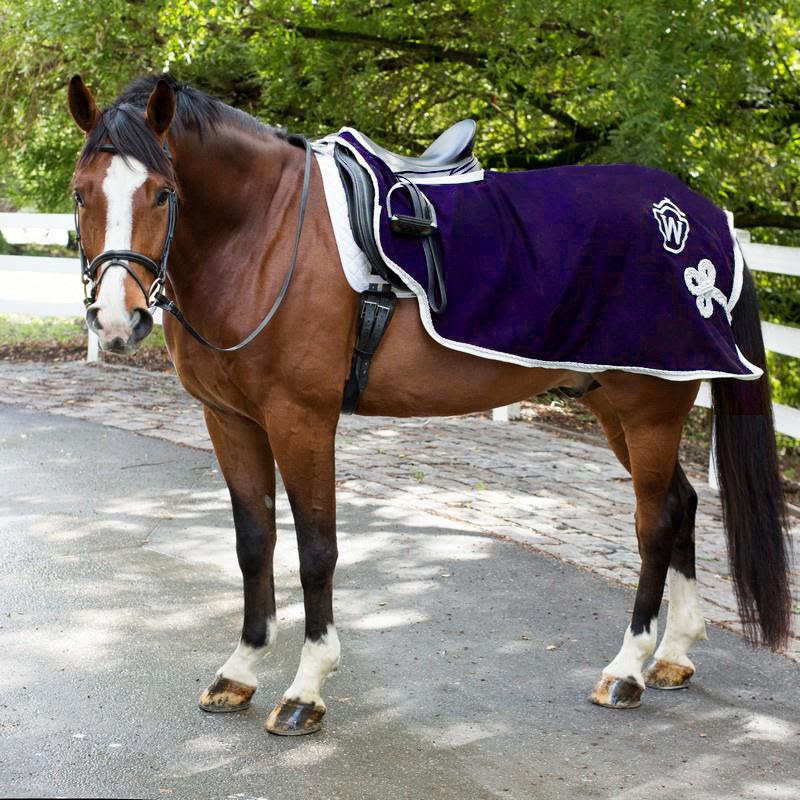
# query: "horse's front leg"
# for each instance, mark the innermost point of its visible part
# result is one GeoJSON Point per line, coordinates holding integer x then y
{"type": "Point", "coordinates": [244, 455]}
{"type": "Point", "coordinates": [303, 442]}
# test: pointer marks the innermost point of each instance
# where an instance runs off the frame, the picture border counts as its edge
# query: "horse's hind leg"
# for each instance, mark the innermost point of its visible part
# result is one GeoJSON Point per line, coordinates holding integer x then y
{"type": "Point", "coordinates": [598, 403]}
{"type": "Point", "coordinates": [671, 667]}
{"type": "Point", "coordinates": [245, 458]}
{"type": "Point", "coordinates": [651, 413]}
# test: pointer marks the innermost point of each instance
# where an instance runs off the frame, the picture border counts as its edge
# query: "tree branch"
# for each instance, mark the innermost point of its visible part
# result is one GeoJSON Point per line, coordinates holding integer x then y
{"type": "Point", "coordinates": [758, 219]}
{"type": "Point", "coordinates": [521, 159]}
{"type": "Point", "coordinates": [433, 52]}
{"type": "Point", "coordinates": [540, 101]}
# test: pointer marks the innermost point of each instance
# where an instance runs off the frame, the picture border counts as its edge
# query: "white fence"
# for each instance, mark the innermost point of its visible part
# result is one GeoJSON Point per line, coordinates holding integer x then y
{"type": "Point", "coordinates": [51, 287]}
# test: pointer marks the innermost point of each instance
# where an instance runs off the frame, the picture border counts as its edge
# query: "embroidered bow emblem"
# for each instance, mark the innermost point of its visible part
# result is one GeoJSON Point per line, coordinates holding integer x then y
{"type": "Point", "coordinates": [700, 283]}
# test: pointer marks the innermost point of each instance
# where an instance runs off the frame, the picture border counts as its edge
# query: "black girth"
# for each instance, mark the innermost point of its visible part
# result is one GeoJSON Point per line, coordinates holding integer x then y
{"type": "Point", "coordinates": [375, 311]}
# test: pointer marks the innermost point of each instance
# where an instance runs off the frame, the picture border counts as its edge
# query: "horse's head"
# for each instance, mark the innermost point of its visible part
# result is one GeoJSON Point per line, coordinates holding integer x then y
{"type": "Point", "coordinates": [125, 209]}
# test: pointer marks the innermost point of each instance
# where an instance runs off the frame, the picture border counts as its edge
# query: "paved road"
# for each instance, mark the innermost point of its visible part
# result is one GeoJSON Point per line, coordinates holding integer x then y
{"type": "Point", "coordinates": [567, 498]}
{"type": "Point", "coordinates": [467, 658]}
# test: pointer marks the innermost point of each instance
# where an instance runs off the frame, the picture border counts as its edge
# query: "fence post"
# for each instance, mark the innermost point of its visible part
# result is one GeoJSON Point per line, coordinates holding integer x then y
{"type": "Point", "coordinates": [506, 413]}
{"type": "Point", "coordinates": [93, 349]}
{"type": "Point", "coordinates": [713, 479]}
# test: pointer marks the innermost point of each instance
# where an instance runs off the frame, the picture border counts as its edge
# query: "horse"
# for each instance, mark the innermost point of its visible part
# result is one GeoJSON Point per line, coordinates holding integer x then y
{"type": "Point", "coordinates": [252, 214]}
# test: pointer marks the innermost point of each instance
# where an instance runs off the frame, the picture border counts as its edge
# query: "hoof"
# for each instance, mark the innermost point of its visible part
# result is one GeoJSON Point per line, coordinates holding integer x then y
{"type": "Point", "coordinates": [663, 675]}
{"type": "Point", "coordinates": [293, 718]}
{"type": "Point", "coordinates": [613, 692]}
{"type": "Point", "coordinates": [225, 695]}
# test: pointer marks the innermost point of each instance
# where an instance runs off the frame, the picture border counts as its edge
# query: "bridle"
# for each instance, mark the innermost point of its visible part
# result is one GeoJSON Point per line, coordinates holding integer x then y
{"type": "Point", "coordinates": [118, 258]}
{"type": "Point", "coordinates": [154, 296]}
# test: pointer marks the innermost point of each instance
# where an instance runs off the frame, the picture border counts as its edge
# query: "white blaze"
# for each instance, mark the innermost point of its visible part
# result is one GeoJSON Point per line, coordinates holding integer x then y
{"type": "Point", "coordinates": [119, 186]}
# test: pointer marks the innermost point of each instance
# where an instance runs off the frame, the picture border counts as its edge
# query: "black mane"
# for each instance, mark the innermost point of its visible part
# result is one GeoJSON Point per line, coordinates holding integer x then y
{"type": "Point", "coordinates": [123, 125]}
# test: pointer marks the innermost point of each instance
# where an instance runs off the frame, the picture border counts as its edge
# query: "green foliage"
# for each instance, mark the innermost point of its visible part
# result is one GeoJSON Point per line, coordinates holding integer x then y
{"type": "Point", "coordinates": [21, 329]}
{"type": "Point", "coordinates": [707, 90]}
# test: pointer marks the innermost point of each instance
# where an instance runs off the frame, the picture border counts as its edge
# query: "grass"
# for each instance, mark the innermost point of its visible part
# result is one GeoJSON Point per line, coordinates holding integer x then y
{"type": "Point", "coordinates": [18, 329]}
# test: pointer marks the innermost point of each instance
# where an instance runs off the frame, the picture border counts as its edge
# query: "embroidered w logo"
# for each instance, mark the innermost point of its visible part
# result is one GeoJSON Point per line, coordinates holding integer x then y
{"type": "Point", "coordinates": [672, 223]}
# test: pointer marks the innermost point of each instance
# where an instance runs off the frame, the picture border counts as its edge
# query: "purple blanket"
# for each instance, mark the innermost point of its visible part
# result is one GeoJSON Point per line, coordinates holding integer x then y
{"type": "Point", "coordinates": [587, 268]}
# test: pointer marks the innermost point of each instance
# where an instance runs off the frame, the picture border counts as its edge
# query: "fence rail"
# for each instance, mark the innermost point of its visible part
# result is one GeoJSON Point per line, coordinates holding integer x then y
{"type": "Point", "coordinates": [45, 286]}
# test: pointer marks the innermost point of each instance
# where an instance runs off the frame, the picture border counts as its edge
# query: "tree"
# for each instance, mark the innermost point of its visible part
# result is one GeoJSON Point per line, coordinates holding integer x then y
{"type": "Point", "coordinates": [709, 91]}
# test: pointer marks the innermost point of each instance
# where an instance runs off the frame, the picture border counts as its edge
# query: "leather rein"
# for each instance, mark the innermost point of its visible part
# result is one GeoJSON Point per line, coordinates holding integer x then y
{"type": "Point", "coordinates": [154, 296]}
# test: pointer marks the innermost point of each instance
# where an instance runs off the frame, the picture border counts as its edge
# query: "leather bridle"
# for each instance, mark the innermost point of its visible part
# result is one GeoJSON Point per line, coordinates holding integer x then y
{"type": "Point", "coordinates": [119, 258]}
{"type": "Point", "coordinates": [154, 297]}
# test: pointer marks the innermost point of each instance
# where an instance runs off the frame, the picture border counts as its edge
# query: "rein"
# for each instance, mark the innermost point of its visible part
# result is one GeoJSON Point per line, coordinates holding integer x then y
{"type": "Point", "coordinates": [154, 296]}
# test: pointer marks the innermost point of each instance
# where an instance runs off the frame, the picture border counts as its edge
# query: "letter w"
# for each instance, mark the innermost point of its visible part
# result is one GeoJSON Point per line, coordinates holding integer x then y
{"type": "Point", "coordinates": [673, 228]}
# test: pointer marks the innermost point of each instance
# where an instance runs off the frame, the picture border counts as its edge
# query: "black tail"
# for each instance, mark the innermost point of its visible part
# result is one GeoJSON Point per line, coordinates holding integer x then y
{"type": "Point", "coordinates": [753, 504]}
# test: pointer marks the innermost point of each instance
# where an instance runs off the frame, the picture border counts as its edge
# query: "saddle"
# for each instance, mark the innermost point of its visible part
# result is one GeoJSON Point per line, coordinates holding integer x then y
{"type": "Point", "coordinates": [446, 156]}
{"type": "Point", "coordinates": [449, 154]}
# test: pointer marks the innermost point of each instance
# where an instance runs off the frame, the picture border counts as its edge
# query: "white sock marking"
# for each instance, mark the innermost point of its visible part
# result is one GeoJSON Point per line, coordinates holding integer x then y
{"type": "Point", "coordinates": [242, 664]}
{"type": "Point", "coordinates": [119, 185]}
{"type": "Point", "coordinates": [317, 661]}
{"type": "Point", "coordinates": [685, 623]}
{"type": "Point", "coordinates": [634, 652]}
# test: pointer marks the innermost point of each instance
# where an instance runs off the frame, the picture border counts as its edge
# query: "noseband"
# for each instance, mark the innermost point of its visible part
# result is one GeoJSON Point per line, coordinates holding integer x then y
{"type": "Point", "coordinates": [154, 297]}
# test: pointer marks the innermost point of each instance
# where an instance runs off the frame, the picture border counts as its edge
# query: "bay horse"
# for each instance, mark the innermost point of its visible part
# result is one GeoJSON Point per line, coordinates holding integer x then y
{"type": "Point", "coordinates": [243, 189]}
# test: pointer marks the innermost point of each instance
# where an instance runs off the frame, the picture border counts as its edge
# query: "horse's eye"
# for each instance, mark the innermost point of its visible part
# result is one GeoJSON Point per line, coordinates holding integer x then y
{"type": "Point", "coordinates": [78, 198]}
{"type": "Point", "coordinates": [162, 197]}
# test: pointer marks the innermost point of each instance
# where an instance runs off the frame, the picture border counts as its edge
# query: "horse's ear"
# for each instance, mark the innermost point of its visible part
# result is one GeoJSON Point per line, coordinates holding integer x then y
{"type": "Point", "coordinates": [161, 107]}
{"type": "Point", "coordinates": [81, 104]}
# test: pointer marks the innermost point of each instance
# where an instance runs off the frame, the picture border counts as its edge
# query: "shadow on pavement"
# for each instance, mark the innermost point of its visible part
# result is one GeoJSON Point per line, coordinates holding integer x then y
{"type": "Point", "coordinates": [466, 660]}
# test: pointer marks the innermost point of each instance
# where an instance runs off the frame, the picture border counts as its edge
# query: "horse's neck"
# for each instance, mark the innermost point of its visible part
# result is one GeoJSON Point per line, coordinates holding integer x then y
{"type": "Point", "coordinates": [239, 192]}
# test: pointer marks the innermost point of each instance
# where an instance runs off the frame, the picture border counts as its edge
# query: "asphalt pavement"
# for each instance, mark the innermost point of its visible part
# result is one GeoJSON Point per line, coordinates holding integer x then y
{"type": "Point", "coordinates": [467, 659]}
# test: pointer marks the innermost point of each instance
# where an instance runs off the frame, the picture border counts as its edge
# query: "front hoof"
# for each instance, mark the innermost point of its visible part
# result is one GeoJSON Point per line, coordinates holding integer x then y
{"type": "Point", "coordinates": [293, 718]}
{"type": "Point", "coordinates": [613, 692]}
{"type": "Point", "coordinates": [225, 696]}
{"type": "Point", "coordinates": [664, 675]}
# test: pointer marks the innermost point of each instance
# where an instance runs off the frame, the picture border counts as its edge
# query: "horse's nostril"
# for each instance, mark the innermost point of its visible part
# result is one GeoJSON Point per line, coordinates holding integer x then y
{"type": "Point", "coordinates": [91, 319]}
{"type": "Point", "coordinates": [142, 322]}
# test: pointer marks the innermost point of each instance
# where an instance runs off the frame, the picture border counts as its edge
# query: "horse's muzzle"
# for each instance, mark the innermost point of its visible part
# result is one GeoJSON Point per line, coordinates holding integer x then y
{"type": "Point", "coordinates": [120, 338]}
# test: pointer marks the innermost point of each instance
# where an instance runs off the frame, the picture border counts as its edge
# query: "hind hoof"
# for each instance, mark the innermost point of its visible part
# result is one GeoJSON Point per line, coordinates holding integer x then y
{"type": "Point", "coordinates": [293, 718]}
{"type": "Point", "coordinates": [664, 675]}
{"type": "Point", "coordinates": [225, 696]}
{"type": "Point", "coordinates": [613, 692]}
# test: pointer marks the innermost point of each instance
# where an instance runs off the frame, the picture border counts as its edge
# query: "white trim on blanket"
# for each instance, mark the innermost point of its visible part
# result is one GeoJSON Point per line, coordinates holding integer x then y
{"type": "Point", "coordinates": [738, 264]}
{"type": "Point", "coordinates": [420, 293]}
{"type": "Point", "coordinates": [463, 177]}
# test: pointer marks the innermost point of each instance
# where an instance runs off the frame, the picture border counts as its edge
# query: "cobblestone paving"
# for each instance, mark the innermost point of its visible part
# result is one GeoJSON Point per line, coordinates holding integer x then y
{"type": "Point", "coordinates": [566, 498]}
